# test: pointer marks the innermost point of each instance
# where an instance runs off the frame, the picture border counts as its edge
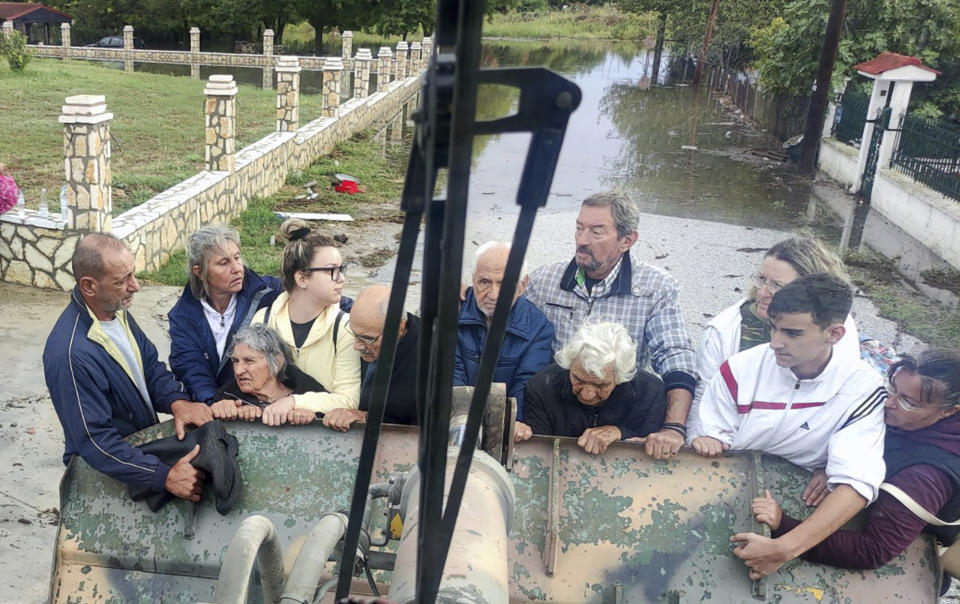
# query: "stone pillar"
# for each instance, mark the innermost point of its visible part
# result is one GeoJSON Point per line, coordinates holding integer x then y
{"type": "Point", "coordinates": [427, 50]}
{"type": "Point", "coordinates": [128, 37]}
{"type": "Point", "coordinates": [288, 94]}
{"type": "Point", "coordinates": [396, 129]}
{"type": "Point", "coordinates": [347, 49]}
{"type": "Point", "coordinates": [268, 42]}
{"type": "Point", "coordinates": [384, 62]}
{"type": "Point", "coordinates": [416, 58]}
{"type": "Point", "coordinates": [195, 71]}
{"type": "Point", "coordinates": [194, 40]}
{"type": "Point", "coordinates": [86, 151]}
{"type": "Point", "coordinates": [7, 28]}
{"type": "Point", "coordinates": [65, 35]}
{"type": "Point", "coordinates": [361, 73]}
{"type": "Point", "coordinates": [219, 113]}
{"type": "Point", "coordinates": [332, 68]}
{"type": "Point", "coordinates": [401, 65]}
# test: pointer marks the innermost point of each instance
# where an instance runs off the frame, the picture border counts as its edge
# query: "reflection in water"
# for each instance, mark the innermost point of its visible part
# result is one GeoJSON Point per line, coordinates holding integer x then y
{"type": "Point", "coordinates": [676, 152]}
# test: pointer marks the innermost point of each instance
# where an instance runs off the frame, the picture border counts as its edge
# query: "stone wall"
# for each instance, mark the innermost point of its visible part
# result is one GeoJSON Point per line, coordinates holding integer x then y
{"type": "Point", "coordinates": [35, 249]}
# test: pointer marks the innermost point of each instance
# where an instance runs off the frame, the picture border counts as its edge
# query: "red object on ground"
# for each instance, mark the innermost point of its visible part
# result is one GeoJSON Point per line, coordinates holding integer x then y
{"type": "Point", "coordinates": [346, 184]}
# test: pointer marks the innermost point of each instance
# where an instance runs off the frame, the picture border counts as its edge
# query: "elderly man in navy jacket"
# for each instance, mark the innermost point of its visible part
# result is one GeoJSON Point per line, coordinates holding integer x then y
{"type": "Point", "coordinates": [527, 344]}
{"type": "Point", "coordinates": [106, 381]}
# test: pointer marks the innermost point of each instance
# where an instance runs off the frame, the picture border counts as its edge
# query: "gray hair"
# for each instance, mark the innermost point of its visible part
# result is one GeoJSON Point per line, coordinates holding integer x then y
{"type": "Point", "coordinates": [599, 344]}
{"type": "Point", "coordinates": [87, 258]}
{"type": "Point", "coordinates": [267, 342]}
{"type": "Point", "coordinates": [485, 247]}
{"type": "Point", "coordinates": [624, 211]}
{"type": "Point", "coordinates": [200, 246]}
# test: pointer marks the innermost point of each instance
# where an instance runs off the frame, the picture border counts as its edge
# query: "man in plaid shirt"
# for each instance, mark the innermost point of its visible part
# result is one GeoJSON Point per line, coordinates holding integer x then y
{"type": "Point", "coordinates": [603, 282]}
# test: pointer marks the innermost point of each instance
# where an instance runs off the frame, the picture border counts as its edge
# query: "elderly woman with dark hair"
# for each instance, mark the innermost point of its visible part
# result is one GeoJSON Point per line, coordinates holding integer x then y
{"type": "Point", "coordinates": [264, 372]}
{"type": "Point", "coordinates": [221, 297]}
{"type": "Point", "coordinates": [595, 391]}
{"type": "Point", "coordinates": [922, 455]}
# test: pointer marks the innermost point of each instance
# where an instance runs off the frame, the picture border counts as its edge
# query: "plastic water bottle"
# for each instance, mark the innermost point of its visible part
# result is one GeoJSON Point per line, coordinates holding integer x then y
{"type": "Point", "coordinates": [64, 202]}
{"type": "Point", "coordinates": [43, 203]}
{"type": "Point", "coordinates": [21, 204]}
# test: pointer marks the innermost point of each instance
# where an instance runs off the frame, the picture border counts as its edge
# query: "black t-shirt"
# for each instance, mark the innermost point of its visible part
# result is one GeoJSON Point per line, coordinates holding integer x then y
{"type": "Point", "coordinates": [301, 331]}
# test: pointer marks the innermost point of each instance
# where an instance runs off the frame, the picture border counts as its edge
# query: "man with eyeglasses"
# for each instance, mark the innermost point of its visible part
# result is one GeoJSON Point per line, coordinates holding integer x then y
{"type": "Point", "coordinates": [367, 318]}
{"type": "Point", "coordinates": [527, 343]}
{"type": "Point", "coordinates": [798, 399]}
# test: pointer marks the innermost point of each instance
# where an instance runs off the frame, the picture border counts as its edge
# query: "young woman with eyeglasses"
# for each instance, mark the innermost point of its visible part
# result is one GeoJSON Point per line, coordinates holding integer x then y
{"type": "Point", "coordinates": [922, 455]}
{"type": "Point", "coordinates": [308, 318]}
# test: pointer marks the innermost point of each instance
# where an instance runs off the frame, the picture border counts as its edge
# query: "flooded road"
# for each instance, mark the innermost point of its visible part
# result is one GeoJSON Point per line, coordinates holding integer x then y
{"type": "Point", "coordinates": [677, 151]}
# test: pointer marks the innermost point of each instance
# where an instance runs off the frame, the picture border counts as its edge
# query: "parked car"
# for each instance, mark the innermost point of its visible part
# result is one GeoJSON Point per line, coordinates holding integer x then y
{"type": "Point", "coordinates": [116, 42]}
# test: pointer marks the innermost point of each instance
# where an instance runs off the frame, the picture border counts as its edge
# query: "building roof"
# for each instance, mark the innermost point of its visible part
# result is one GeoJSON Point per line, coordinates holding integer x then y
{"type": "Point", "coordinates": [31, 12]}
{"type": "Point", "coordinates": [887, 61]}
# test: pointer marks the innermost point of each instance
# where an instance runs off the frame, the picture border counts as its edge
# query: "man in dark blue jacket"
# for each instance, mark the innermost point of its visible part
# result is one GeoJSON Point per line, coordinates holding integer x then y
{"type": "Point", "coordinates": [105, 379]}
{"type": "Point", "coordinates": [527, 344]}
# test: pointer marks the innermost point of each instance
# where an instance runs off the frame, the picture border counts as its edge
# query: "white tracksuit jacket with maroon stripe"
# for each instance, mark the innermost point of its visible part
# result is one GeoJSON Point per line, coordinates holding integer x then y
{"type": "Point", "coordinates": [834, 420]}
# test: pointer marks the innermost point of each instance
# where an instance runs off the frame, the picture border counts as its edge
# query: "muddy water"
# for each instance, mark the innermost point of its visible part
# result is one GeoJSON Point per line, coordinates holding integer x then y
{"type": "Point", "coordinates": [679, 152]}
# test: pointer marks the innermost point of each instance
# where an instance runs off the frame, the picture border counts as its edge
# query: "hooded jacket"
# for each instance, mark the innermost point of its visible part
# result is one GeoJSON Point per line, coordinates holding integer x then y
{"type": "Point", "coordinates": [526, 349]}
{"type": "Point", "coordinates": [339, 373]}
{"type": "Point", "coordinates": [193, 349]}
{"type": "Point", "coordinates": [96, 398]}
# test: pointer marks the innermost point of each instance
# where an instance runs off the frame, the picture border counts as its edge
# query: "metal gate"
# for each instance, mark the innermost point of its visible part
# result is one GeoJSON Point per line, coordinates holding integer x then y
{"type": "Point", "coordinates": [880, 124]}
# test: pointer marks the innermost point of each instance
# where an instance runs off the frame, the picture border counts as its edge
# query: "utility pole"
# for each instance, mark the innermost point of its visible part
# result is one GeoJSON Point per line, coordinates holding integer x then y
{"type": "Point", "coordinates": [706, 43]}
{"type": "Point", "coordinates": [818, 102]}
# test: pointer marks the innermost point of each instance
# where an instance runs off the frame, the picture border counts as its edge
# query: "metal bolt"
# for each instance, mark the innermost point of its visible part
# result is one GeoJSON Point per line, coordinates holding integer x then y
{"type": "Point", "coordinates": [564, 100]}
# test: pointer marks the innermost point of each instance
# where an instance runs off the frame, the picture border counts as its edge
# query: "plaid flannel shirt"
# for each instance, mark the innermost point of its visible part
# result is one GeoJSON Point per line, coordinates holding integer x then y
{"type": "Point", "coordinates": [641, 297]}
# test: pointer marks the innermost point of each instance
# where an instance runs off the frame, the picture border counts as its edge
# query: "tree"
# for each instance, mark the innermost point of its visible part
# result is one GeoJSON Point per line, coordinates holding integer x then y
{"type": "Point", "coordinates": [342, 14]}
{"type": "Point", "coordinates": [400, 17]}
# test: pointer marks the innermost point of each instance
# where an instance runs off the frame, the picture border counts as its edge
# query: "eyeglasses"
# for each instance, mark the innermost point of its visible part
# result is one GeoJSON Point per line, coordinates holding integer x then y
{"type": "Point", "coordinates": [366, 340]}
{"type": "Point", "coordinates": [905, 403]}
{"type": "Point", "coordinates": [772, 286]}
{"type": "Point", "coordinates": [336, 272]}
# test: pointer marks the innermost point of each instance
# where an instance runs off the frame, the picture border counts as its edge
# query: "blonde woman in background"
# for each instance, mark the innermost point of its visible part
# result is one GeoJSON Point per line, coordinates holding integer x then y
{"type": "Point", "coordinates": [308, 318]}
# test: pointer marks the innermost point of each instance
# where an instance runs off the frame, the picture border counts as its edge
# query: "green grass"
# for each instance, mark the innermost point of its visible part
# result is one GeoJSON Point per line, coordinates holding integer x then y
{"type": "Point", "coordinates": [156, 132]}
{"type": "Point", "coordinates": [381, 176]}
{"type": "Point", "coordinates": [914, 312]}
{"type": "Point", "coordinates": [604, 22]}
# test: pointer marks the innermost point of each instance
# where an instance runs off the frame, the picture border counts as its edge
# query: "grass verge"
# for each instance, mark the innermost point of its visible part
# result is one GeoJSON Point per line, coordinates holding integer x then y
{"type": "Point", "coordinates": [599, 22]}
{"type": "Point", "coordinates": [157, 133]}
{"type": "Point", "coordinates": [914, 312]}
{"type": "Point", "coordinates": [380, 171]}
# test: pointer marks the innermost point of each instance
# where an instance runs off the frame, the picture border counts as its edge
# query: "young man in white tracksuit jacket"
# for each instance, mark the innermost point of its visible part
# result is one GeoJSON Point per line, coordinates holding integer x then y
{"type": "Point", "coordinates": [796, 399]}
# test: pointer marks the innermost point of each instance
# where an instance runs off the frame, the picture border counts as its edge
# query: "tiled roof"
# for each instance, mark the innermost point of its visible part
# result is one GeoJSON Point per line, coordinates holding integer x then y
{"type": "Point", "coordinates": [886, 61]}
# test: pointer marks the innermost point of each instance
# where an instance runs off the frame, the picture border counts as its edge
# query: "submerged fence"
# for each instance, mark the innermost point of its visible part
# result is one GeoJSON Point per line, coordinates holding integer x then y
{"type": "Point", "coordinates": [782, 116]}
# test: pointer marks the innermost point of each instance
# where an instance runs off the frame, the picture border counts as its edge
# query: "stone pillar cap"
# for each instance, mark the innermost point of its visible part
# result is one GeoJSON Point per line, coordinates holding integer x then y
{"type": "Point", "coordinates": [85, 109]}
{"type": "Point", "coordinates": [127, 28]}
{"type": "Point", "coordinates": [220, 85]}
{"type": "Point", "coordinates": [363, 54]}
{"type": "Point", "coordinates": [347, 34]}
{"type": "Point", "coordinates": [402, 45]}
{"type": "Point", "coordinates": [333, 64]}
{"type": "Point", "coordinates": [194, 30]}
{"type": "Point", "coordinates": [427, 39]}
{"type": "Point", "coordinates": [268, 32]}
{"type": "Point", "coordinates": [385, 52]}
{"type": "Point", "coordinates": [416, 45]}
{"type": "Point", "coordinates": [288, 63]}
{"type": "Point", "coordinates": [64, 26]}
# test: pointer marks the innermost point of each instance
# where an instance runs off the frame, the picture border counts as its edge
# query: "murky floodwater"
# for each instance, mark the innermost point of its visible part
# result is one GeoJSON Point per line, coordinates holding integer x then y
{"type": "Point", "coordinates": [676, 150]}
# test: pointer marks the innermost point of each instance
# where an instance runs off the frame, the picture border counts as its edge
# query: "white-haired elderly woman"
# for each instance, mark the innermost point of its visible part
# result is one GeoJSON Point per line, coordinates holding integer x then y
{"type": "Point", "coordinates": [595, 392]}
{"type": "Point", "coordinates": [220, 298]}
{"type": "Point", "coordinates": [264, 372]}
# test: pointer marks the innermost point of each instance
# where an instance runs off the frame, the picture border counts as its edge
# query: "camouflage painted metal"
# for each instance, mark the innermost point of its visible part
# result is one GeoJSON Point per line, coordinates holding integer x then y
{"type": "Point", "coordinates": [626, 528]}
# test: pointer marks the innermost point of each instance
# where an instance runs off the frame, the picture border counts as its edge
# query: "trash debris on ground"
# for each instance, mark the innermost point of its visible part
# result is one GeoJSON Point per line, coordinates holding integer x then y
{"type": "Point", "coordinates": [315, 216]}
{"type": "Point", "coordinates": [345, 183]}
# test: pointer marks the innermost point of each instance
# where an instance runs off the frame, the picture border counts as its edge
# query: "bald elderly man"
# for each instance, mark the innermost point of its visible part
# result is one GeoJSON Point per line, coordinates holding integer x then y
{"type": "Point", "coordinates": [527, 344]}
{"type": "Point", "coordinates": [367, 318]}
